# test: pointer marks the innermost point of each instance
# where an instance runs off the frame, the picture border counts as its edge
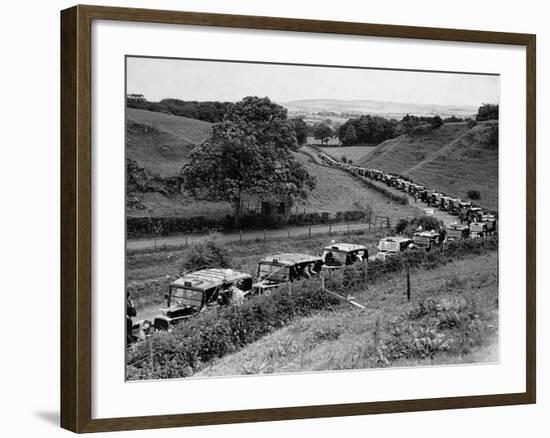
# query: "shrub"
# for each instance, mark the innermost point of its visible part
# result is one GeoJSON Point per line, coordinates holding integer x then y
{"type": "Point", "coordinates": [207, 254]}
{"type": "Point", "coordinates": [487, 111]}
{"type": "Point", "coordinates": [474, 194]}
{"type": "Point", "coordinates": [436, 122]}
{"type": "Point", "coordinates": [401, 226]}
{"type": "Point", "coordinates": [430, 328]}
{"type": "Point", "coordinates": [471, 123]}
{"type": "Point", "coordinates": [427, 223]}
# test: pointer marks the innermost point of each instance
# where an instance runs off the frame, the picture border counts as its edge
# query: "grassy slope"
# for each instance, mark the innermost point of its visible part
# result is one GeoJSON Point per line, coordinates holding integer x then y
{"type": "Point", "coordinates": [345, 339]}
{"type": "Point", "coordinates": [453, 159]}
{"type": "Point", "coordinates": [354, 153]}
{"type": "Point", "coordinates": [337, 190]}
{"type": "Point", "coordinates": [162, 142]}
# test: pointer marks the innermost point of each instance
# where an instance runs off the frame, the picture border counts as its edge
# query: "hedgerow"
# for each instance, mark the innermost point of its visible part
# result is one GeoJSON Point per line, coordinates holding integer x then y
{"type": "Point", "coordinates": [140, 227]}
{"type": "Point", "coordinates": [358, 275]}
{"type": "Point", "coordinates": [182, 352]}
{"type": "Point", "coordinates": [400, 199]}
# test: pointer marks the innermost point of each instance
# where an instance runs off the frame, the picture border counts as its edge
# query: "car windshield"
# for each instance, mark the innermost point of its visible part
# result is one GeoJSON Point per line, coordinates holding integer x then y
{"type": "Point", "coordinates": [186, 297]}
{"type": "Point", "coordinates": [273, 272]}
{"type": "Point", "coordinates": [422, 240]}
{"type": "Point", "coordinates": [333, 257]}
{"type": "Point", "coordinates": [388, 246]}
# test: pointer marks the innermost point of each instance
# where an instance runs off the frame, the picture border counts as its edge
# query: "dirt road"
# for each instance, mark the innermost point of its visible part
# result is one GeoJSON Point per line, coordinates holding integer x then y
{"type": "Point", "coordinates": [296, 231]}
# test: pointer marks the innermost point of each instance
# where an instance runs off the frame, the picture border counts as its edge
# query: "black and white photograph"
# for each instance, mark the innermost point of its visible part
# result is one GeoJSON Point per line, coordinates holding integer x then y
{"type": "Point", "coordinates": [287, 218]}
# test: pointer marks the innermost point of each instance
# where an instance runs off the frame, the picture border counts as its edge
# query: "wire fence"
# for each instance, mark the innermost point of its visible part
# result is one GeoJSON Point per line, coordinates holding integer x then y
{"type": "Point", "coordinates": [376, 224]}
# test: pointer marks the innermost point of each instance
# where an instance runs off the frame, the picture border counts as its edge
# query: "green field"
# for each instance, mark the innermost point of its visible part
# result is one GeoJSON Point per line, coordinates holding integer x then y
{"type": "Point", "coordinates": [331, 141]}
{"type": "Point", "coordinates": [337, 190]}
{"type": "Point", "coordinates": [354, 153]}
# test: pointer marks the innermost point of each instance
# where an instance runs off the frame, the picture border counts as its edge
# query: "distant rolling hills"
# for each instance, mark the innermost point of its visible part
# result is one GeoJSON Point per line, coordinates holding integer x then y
{"type": "Point", "coordinates": [160, 142]}
{"type": "Point", "coordinates": [452, 159]}
{"type": "Point", "coordinates": [386, 109]}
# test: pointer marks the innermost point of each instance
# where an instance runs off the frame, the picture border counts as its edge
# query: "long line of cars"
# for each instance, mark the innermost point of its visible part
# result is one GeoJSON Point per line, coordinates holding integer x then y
{"type": "Point", "coordinates": [479, 223]}
{"type": "Point", "coordinates": [193, 292]}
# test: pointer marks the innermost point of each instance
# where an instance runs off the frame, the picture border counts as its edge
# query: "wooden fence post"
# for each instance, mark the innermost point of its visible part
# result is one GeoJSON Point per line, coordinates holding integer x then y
{"type": "Point", "coordinates": [330, 229]}
{"type": "Point", "coordinates": [322, 280]}
{"type": "Point", "coordinates": [310, 231]}
{"type": "Point", "coordinates": [240, 235]}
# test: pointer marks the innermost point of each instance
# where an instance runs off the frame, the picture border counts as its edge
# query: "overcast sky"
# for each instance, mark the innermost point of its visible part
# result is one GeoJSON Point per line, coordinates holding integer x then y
{"type": "Point", "coordinates": [157, 79]}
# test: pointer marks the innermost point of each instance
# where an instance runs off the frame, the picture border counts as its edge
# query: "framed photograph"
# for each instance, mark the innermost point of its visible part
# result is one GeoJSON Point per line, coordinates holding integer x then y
{"type": "Point", "coordinates": [270, 218]}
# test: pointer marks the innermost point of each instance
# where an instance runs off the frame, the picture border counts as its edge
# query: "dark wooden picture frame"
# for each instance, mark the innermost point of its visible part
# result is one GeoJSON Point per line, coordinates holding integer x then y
{"type": "Point", "coordinates": [76, 218]}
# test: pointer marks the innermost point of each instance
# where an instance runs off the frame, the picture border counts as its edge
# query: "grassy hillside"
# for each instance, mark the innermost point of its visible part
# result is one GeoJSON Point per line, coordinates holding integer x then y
{"type": "Point", "coordinates": [354, 153]}
{"type": "Point", "coordinates": [337, 190]}
{"type": "Point", "coordinates": [452, 159]}
{"type": "Point", "coordinates": [458, 303]}
{"type": "Point", "coordinates": [161, 142]}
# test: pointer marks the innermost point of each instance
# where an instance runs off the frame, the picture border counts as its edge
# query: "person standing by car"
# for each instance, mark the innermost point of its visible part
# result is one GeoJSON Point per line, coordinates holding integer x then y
{"type": "Point", "coordinates": [237, 295]}
{"type": "Point", "coordinates": [130, 313]}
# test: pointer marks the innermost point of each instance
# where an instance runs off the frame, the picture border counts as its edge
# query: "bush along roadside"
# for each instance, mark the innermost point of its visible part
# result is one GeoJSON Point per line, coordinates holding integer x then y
{"type": "Point", "coordinates": [400, 199]}
{"type": "Point", "coordinates": [359, 275]}
{"type": "Point", "coordinates": [210, 335]}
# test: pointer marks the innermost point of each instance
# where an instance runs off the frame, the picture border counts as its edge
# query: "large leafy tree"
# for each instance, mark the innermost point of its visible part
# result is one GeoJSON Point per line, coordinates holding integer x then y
{"type": "Point", "coordinates": [248, 154]}
{"type": "Point", "coordinates": [487, 111]}
{"type": "Point", "coordinates": [266, 121]}
{"type": "Point", "coordinates": [322, 132]}
{"type": "Point", "coordinates": [300, 129]}
{"type": "Point", "coordinates": [350, 137]}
